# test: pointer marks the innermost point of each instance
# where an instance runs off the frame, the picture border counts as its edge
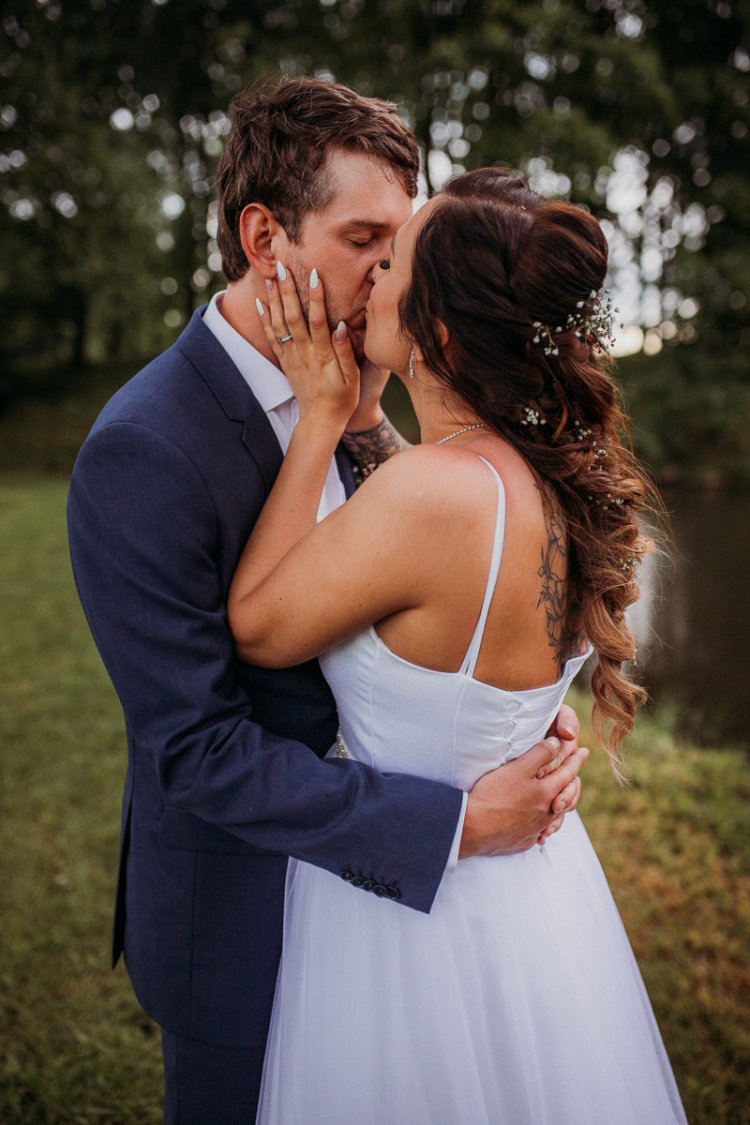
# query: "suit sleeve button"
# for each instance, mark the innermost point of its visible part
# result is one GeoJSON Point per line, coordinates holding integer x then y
{"type": "Point", "coordinates": [347, 875]}
{"type": "Point", "coordinates": [368, 885]}
{"type": "Point", "coordinates": [380, 890]}
{"type": "Point", "coordinates": [358, 881]}
{"type": "Point", "coordinates": [394, 893]}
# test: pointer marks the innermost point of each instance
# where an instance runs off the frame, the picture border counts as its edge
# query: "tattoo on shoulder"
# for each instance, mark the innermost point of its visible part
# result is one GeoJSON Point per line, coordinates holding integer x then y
{"type": "Point", "coordinates": [371, 448]}
{"type": "Point", "coordinates": [553, 573]}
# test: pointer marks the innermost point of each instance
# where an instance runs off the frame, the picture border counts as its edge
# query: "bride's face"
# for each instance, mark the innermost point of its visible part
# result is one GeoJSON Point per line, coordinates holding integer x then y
{"type": "Point", "coordinates": [384, 345]}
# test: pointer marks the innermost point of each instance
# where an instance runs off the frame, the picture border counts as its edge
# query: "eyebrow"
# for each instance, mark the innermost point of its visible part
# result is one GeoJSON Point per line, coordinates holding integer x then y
{"type": "Point", "coordinates": [364, 224]}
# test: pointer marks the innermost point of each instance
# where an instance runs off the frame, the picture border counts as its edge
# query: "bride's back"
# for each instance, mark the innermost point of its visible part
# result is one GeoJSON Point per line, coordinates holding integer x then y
{"type": "Point", "coordinates": [527, 635]}
{"type": "Point", "coordinates": [429, 689]}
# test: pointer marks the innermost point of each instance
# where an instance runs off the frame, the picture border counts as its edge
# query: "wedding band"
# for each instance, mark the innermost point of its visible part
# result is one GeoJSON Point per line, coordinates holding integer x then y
{"type": "Point", "coordinates": [284, 339]}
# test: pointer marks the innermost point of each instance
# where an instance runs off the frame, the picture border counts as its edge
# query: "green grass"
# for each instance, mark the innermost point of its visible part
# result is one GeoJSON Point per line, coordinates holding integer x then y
{"type": "Point", "coordinates": [676, 848]}
{"type": "Point", "coordinates": [74, 1045]}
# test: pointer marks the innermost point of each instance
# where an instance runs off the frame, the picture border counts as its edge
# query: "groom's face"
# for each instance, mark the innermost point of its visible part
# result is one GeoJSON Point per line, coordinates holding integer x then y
{"type": "Point", "coordinates": [347, 237]}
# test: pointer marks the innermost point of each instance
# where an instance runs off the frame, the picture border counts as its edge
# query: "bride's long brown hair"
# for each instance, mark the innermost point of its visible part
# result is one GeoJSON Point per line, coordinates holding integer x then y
{"type": "Point", "coordinates": [492, 263]}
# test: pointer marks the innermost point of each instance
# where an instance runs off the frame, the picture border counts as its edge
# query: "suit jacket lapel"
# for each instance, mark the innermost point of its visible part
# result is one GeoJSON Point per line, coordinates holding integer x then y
{"type": "Point", "coordinates": [205, 353]}
{"type": "Point", "coordinates": [261, 442]}
{"type": "Point", "coordinates": [346, 471]}
{"type": "Point", "coordinates": [238, 402]}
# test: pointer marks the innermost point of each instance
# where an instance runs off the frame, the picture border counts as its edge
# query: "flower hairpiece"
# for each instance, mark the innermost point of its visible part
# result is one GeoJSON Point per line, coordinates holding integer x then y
{"type": "Point", "coordinates": [594, 318]}
{"type": "Point", "coordinates": [543, 335]}
{"type": "Point", "coordinates": [532, 417]}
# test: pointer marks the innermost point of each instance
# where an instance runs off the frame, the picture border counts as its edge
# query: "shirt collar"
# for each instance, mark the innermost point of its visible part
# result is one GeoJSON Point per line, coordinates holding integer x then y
{"type": "Point", "coordinates": [268, 383]}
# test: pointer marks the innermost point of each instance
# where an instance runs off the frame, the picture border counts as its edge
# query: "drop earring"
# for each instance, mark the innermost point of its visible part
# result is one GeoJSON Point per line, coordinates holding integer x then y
{"type": "Point", "coordinates": [411, 364]}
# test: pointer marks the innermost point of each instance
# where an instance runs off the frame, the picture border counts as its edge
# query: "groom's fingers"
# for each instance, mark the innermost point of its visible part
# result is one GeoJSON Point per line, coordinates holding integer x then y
{"type": "Point", "coordinates": [566, 801]}
{"type": "Point", "coordinates": [561, 783]}
{"type": "Point", "coordinates": [566, 725]}
{"type": "Point", "coordinates": [554, 826]}
{"type": "Point", "coordinates": [540, 758]}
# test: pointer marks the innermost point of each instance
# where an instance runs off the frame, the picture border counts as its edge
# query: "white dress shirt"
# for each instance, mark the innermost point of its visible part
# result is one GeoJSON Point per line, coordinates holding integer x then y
{"type": "Point", "coordinates": [271, 387]}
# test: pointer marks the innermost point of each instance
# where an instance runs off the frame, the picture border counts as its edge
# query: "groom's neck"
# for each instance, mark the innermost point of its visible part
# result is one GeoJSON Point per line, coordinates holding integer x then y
{"type": "Point", "coordinates": [238, 309]}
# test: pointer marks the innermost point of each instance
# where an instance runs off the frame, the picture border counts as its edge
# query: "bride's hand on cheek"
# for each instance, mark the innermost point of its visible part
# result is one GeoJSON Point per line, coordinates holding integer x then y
{"type": "Point", "coordinates": [320, 366]}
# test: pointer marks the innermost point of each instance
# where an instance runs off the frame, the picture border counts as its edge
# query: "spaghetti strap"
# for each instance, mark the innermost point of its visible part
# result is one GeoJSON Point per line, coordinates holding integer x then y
{"type": "Point", "coordinates": [472, 654]}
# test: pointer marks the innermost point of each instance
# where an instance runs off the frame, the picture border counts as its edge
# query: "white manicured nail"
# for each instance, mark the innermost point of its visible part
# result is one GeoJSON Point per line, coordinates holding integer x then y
{"type": "Point", "coordinates": [280, 271]}
{"type": "Point", "coordinates": [340, 332]}
{"type": "Point", "coordinates": [259, 307]}
{"type": "Point", "coordinates": [314, 279]}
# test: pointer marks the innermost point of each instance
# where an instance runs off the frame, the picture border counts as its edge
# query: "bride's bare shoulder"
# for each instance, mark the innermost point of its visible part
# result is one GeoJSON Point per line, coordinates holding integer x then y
{"type": "Point", "coordinates": [431, 480]}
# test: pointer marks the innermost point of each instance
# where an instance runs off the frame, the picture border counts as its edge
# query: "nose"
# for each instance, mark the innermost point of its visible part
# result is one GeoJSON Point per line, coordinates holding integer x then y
{"type": "Point", "coordinates": [381, 250]}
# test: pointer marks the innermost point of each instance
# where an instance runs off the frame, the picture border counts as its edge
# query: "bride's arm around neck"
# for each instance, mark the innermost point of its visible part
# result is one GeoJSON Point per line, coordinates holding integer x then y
{"type": "Point", "coordinates": [373, 557]}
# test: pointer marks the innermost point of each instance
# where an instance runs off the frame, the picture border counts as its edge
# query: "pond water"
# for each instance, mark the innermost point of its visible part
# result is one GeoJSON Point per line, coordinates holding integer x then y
{"type": "Point", "coordinates": [692, 623]}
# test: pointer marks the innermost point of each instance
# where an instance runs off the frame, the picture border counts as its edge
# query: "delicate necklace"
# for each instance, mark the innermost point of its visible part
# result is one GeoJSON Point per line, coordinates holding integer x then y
{"type": "Point", "coordinates": [465, 430]}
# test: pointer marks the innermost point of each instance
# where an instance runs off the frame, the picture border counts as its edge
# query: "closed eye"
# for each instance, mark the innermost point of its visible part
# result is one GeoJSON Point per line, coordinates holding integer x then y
{"type": "Point", "coordinates": [361, 245]}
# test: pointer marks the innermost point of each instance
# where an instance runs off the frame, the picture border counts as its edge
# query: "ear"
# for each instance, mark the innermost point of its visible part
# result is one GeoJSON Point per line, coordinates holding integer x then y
{"type": "Point", "coordinates": [258, 229]}
{"type": "Point", "coordinates": [444, 338]}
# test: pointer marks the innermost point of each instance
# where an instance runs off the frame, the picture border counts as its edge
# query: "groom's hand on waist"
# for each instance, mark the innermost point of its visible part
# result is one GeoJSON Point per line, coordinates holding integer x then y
{"type": "Point", "coordinates": [524, 802]}
{"type": "Point", "coordinates": [567, 728]}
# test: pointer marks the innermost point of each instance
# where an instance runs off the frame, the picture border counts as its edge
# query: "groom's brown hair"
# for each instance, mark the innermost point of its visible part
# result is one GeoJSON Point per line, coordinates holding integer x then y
{"type": "Point", "coordinates": [277, 147]}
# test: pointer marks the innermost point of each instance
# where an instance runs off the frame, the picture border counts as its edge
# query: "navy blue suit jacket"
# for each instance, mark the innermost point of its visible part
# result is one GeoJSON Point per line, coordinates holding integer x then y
{"type": "Point", "coordinates": [225, 777]}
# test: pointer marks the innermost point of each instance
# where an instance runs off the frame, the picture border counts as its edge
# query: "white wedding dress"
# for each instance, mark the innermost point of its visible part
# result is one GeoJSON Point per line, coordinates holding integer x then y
{"type": "Point", "coordinates": [517, 1000]}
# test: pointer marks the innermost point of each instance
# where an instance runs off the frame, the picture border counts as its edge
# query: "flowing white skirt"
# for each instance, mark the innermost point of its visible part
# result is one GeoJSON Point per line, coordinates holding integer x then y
{"type": "Point", "coordinates": [516, 1001]}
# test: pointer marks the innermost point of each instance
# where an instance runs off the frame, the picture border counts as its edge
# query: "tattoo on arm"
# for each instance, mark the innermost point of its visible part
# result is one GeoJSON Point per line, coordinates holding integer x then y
{"type": "Point", "coordinates": [371, 448]}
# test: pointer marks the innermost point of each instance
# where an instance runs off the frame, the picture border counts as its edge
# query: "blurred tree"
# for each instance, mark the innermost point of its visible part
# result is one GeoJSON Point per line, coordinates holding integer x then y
{"type": "Point", "coordinates": [76, 199]}
{"type": "Point", "coordinates": [693, 404]}
{"type": "Point", "coordinates": [114, 115]}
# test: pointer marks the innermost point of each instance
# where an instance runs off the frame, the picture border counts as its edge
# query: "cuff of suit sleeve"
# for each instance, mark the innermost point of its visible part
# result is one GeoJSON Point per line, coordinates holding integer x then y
{"type": "Point", "coordinates": [453, 854]}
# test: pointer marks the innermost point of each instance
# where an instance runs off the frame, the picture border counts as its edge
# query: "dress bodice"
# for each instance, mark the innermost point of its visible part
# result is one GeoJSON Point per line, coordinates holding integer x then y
{"type": "Point", "coordinates": [448, 726]}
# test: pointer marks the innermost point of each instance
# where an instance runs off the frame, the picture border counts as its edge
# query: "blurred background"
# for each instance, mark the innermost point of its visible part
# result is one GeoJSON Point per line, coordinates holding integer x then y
{"type": "Point", "coordinates": [111, 122]}
{"type": "Point", "coordinates": [112, 116]}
